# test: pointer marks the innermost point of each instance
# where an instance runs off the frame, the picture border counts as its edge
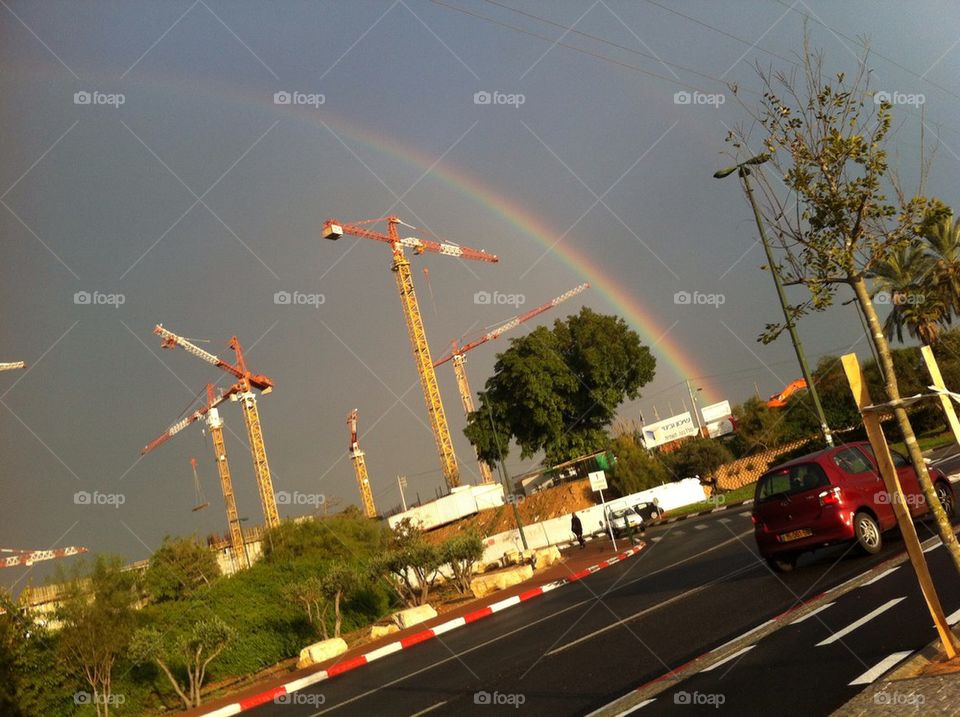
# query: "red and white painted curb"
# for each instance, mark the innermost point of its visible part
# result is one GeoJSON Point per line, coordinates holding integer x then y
{"type": "Point", "coordinates": [411, 640]}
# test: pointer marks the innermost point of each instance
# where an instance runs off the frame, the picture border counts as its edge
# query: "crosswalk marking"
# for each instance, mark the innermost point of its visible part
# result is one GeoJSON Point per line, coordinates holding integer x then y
{"type": "Point", "coordinates": [811, 613]}
{"type": "Point", "coordinates": [699, 526]}
{"type": "Point", "coordinates": [953, 618]}
{"type": "Point", "coordinates": [862, 621]}
{"type": "Point", "coordinates": [744, 514]}
{"type": "Point", "coordinates": [936, 545]}
{"type": "Point", "coordinates": [881, 667]}
{"type": "Point", "coordinates": [724, 520]}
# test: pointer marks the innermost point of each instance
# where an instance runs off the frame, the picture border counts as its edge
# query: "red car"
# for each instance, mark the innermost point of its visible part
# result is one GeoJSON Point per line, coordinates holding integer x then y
{"type": "Point", "coordinates": [833, 496]}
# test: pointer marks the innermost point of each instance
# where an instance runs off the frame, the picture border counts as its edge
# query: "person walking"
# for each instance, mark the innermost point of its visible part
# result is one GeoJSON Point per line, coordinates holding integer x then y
{"type": "Point", "coordinates": [577, 527]}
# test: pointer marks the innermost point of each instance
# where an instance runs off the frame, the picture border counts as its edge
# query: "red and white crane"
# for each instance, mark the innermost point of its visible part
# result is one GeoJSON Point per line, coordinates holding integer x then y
{"type": "Point", "coordinates": [29, 557]}
{"type": "Point", "coordinates": [215, 426]}
{"type": "Point", "coordinates": [248, 404]}
{"type": "Point", "coordinates": [459, 360]}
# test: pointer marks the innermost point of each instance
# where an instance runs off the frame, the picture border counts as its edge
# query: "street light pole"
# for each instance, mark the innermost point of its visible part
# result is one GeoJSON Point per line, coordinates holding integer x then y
{"type": "Point", "coordinates": [743, 171]}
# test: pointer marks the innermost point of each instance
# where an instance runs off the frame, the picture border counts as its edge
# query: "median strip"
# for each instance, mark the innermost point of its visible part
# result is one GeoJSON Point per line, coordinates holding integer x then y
{"type": "Point", "coordinates": [411, 640]}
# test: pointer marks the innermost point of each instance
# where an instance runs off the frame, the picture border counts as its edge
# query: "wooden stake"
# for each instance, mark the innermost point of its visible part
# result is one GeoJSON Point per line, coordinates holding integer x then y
{"type": "Point", "coordinates": [934, 370]}
{"type": "Point", "coordinates": [871, 421]}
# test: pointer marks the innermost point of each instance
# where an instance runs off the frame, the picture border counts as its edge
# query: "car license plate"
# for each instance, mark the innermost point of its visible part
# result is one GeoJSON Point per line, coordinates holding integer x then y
{"type": "Point", "coordinates": [795, 535]}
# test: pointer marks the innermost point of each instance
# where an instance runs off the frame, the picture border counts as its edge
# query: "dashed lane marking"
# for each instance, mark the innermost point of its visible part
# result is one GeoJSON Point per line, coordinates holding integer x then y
{"type": "Point", "coordinates": [858, 623]}
{"type": "Point", "coordinates": [881, 667]}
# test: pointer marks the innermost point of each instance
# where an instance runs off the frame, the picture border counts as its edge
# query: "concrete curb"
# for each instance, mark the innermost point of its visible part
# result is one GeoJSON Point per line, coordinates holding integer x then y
{"type": "Point", "coordinates": [411, 640]}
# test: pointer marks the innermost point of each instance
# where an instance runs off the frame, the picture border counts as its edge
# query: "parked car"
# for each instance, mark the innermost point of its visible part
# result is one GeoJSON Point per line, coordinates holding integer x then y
{"type": "Point", "coordinates": [834, 496]}
{"type": "Point", "coordinates": [634, 515]}
{"type": "Point", "coordinates": [649, 511]}
{"type": "Point", "coordinates": [621, 518]}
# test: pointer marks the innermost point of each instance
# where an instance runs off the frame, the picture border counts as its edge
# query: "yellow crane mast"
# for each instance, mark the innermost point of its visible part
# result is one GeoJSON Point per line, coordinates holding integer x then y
{"type": "Point", "coordinates": [215, 426]}
{"type": "Point", "coordinates": [360, 467]}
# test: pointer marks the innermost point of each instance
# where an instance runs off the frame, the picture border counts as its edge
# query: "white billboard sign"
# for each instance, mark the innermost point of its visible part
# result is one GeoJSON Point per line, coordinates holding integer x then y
{"type": "Point", "coordinates": [669, 429]}
{"type": "Point", "coordinates": [598, 480]}
{"type": "Point", "coordinates": [716, 412]}
{"type": "Point", "coordinates": [721, 427]}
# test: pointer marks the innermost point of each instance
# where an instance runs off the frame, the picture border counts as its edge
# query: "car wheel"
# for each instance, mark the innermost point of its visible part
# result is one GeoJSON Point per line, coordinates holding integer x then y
{"type": "Point", "coordinates": [945, 494]}
{"type": "Point", "coordinates": [869, 537]}
{"type": "Point", "coordinates": [782, 563]}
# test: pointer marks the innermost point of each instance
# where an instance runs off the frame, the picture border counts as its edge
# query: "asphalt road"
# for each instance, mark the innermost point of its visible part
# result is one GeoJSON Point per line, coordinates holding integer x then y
{"type": "Point", "coordinates": [699, 585]}
{"type": "Point", "coordinates": [815, 664]}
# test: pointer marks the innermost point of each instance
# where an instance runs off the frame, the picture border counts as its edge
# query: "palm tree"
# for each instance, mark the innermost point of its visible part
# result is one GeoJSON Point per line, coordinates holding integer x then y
{"type": "Point", "coordinates": [904, 280]}
{"type": "Point", "coordinates": [943, 240]}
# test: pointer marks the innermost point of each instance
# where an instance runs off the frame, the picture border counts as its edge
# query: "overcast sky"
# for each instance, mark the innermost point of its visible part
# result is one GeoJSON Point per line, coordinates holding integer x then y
{"type": "Point", "coordinates": [184, 193]}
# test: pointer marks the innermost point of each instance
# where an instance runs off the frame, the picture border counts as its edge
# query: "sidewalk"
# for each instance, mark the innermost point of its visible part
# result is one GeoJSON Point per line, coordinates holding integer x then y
{"type": "Point", "coordinates": [576, 563]}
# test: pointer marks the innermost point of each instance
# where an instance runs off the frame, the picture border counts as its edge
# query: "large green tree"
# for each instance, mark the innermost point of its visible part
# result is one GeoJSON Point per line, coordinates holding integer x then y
{"type": "Point", "coordinates": [556, 390]}
{"type": "Point", "coordinates": [177, 568]}
{"type": "Point", "coordinates": [636, 469]}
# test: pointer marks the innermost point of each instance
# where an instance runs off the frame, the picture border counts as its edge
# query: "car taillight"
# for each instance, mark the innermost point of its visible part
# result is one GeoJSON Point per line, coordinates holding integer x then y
{"type": "Point", "coordinates": [830, 497]}
{"type": "Point", "coordinates": [753, 518]}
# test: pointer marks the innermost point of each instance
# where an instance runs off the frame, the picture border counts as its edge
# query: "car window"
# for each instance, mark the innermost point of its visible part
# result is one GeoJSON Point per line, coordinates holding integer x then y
{"type": "Point", "coordinates": [852, 461]}
{"type": "Point", "coordinates": [795, 479]}
{"type": "Point", "coordinates": [899, 460]}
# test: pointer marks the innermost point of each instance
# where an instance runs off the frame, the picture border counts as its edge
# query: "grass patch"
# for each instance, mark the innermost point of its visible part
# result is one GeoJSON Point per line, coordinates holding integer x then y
{"type": "Point", "coordinates": [731, 496]}
{"type": "Point", "coordinates": [926, 443]}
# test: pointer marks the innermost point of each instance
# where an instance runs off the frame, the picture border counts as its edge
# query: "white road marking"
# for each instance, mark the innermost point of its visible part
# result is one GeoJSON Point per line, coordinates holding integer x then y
{"type": "Point", "coordinates": [429, 709]}
{"type": "Point", "coordinates": [657, 539]}
{"type": "Point", "coordinates": [746, 514]}
{"type": "Point", "coordinates": [677, 532]}
{"type": "Point", "coordinates": [811, 613]}
{"type": "Point", "coordinates": [862, 621]}
{"type": "Point", "coordinates": [635, 708]}
{"type": "Point", "coordinates": [881, 576]}
{"type": "Point", "coordinates": [953, 618]}
{"type": "Point", "coordinates": [699, 526]}
{"type": "Point", "coordinates": [728, 658]}
{"type": "Point", "coordinates": [724, 520]}
{"type": "Point", "coordinates": [881, 667]}
{"type": "Point", "coordinates": [936, 545]}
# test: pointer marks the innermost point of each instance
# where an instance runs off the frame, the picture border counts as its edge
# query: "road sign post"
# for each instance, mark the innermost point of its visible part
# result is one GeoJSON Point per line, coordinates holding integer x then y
{"type": "Point", "coordinates": [598, 481]}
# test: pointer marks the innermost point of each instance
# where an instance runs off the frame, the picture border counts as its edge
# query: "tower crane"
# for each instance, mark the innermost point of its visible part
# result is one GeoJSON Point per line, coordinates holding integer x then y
{"type": "Point", "coordinates": [248, 404]}
{"type": "Point", "coordinates": [459, 359]}
{"type": "Point", "coordinates": [333, 229]}
{"type": "Point", "coordinates": [29, 557]}
{"type": "Point", "coordinates": [12, 366]}
{"type": "Point", "coordinates": [215, 425]}
{"type": "Point", "coordinates": [360, 467]}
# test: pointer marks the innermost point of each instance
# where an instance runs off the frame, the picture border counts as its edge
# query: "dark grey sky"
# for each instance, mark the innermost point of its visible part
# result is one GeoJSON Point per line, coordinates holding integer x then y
{"type": "Point", "coordinates": [198, 198]}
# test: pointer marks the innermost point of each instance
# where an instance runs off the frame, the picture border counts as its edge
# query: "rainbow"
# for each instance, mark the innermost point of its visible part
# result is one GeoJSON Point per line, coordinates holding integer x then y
{"type": "Point", "coordinates": [654, 330]}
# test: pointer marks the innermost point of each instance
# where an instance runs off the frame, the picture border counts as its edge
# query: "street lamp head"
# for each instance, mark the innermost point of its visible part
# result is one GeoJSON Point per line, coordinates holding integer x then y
{"type": "Point", "coordinates": [742, 167]}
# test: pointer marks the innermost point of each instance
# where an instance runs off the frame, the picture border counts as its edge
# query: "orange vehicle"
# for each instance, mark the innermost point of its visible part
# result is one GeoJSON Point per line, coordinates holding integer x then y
{"type": "Point", "coordinates": [779, 400]}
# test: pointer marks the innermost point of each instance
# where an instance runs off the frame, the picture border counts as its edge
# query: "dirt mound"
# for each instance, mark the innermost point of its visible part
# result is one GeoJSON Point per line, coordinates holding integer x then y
{"type": "Point", "coordinates": [544, 505]}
